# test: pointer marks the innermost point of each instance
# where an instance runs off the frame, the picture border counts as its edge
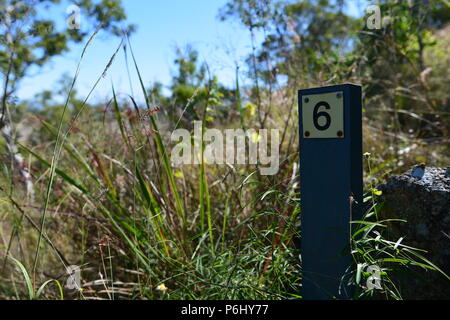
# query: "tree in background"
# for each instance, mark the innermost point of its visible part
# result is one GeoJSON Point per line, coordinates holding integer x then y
{"type": "Point", "coordinates": [192, 89]}
{"type": "Point", "coordinates": [395, 71]}
{"type": "Point", "coordinates": [401, 65]}
{"type": "Point", "coordinates": [28, 39]}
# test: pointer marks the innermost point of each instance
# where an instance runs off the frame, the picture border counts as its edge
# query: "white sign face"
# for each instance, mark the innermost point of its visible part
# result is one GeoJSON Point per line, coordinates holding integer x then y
{"type": "Point", "coordinates": [323, 115]}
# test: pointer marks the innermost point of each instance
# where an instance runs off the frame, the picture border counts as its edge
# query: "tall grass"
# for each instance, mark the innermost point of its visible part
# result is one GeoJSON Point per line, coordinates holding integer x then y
{"type": "Point", "coordinates": [156, 230]}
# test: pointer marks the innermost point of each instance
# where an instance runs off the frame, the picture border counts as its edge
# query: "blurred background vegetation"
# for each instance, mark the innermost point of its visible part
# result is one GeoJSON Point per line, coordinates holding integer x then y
{"type": "Point", "coordinates": [91, 184]}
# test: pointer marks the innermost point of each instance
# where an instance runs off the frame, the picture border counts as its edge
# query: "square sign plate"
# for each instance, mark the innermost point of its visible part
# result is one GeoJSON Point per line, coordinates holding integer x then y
{"type": "Point", "coordinates": [323, 115]}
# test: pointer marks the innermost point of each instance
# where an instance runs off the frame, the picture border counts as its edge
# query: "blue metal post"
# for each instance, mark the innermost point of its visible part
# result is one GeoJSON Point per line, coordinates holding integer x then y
{"type": "Point", "coordinates": [330, 179]}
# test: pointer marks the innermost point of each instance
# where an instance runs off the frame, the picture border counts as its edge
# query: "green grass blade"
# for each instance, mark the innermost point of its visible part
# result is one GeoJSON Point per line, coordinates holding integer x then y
{"type": "Point", "coordinates": [59, 172]}
{"type": "Point", "coordinates": [161, 149]}
{"type": "Point", "coordinates": [26, 276]}
{"type": "Point", "coordinates": [44, 285]}
{"type": "Point", "coordinates": [119, 118]}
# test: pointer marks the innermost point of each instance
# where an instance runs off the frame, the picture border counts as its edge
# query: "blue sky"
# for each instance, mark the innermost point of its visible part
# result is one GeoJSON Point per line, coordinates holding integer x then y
{"type": "Point", "coordinates": [162, 26]}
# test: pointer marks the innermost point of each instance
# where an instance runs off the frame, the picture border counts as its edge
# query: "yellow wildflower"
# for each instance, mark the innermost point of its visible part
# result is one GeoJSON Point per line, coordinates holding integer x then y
{"type": "Point", "coordinates": [162, 287]}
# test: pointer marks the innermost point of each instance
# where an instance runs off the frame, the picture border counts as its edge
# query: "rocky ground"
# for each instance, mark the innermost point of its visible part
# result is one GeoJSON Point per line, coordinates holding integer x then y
{"type": "Point", "coordinates": [422, 197]}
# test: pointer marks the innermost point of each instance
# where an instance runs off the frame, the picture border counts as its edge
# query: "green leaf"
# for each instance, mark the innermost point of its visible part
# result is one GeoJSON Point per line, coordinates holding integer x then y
{"type": "Point", "coordinates": [26, 277]}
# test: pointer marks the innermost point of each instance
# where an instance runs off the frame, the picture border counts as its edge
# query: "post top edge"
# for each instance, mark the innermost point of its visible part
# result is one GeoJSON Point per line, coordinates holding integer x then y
{"type": "Point", "coordinates": [330, 88]}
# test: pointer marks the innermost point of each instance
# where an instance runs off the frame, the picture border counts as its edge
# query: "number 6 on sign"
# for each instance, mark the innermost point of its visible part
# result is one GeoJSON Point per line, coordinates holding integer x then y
{"type": "Point", "coordinates": [323, 115]}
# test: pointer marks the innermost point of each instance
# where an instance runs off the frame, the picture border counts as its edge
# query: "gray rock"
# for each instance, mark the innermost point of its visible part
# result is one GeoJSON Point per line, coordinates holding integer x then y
{"type": "Point", "coordinates": [423, 199]}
